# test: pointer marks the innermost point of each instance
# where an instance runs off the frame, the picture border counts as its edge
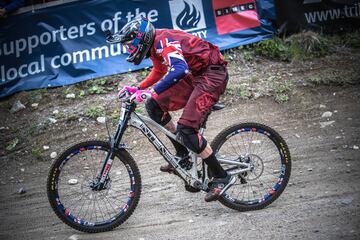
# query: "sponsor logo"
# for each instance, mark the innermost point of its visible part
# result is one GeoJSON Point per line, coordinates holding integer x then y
{"type": "Point", "coordinates": [235, 15]}
{"type": "Point", "coordinates": [187, 15]}
{"type": "Point", "coordinates": [204, 102]}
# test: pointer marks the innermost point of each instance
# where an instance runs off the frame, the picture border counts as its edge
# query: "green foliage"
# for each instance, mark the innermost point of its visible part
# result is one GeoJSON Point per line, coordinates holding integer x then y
{"type": "Point", "coordinates": [353, 39]}
{"type": "Point", "coordinates": [245, 93]}
{"type": "Point", "coordinates": [94, 112]}
{"type": "Point", "coordinates": [301, 46]}
{"type": "Point", "coordinates": [273, 48]}
{"type": "Point", "coordinates": [36, 152]}
{"type": "Point", "coordinates": [33, 129]}
{"type": "Point", "coordinates": [139, 110]}
{"type": "Point", "coordinates": [115, 115]}
{"type": "Point", "coordinates": [281, 97]}
{"type": "Point", "coordinates": [38, 94]}
{"type": "Point", "coordinates": [227, 56]}
{"type": "Point", "coordinates": [72, 117]}
{"type": "Point", "coordinates": [12, 144]}
{"type": "Point", "coordinates": [247, 52]}
{"type": "Point", "coordinates": [307, 45]}
{"type": "Point", "coordinates": [334, 77]}
{"type": "Point", "coordinates": [144, 73]}
{"type": "Point", "coordinates": [101, 81]}
{"type": "Point", "coordinates": [81, 93]}
{"type": "Point", "coordinates": [94, 86]}
{"type": "Point", "coordinates": [96, 89]}
{"type": "Point", "coordinates": [281, 89]}
{"type": "Point", "coordinates": [238, 90]}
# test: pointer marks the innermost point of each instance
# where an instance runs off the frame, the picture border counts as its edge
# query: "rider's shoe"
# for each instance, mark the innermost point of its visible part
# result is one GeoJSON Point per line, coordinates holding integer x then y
{"type": "Point", "coordinates": [218, 186]}
{"type": "Point", "coordinates": [167, 168]}
{"type": "Point", "coordinates": [191, 189]}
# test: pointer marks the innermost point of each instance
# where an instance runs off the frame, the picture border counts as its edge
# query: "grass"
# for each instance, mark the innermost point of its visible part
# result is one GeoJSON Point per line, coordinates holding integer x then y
{"type": "Point", "coordinates": [333, 77]}
{"type": "Point", "coordinates": [307, 45]}
{"type": "Point", "coordinates": [274, 48]}
{"type": "Point", "coordinates": [92, 87]}
{"type": "Point", "coordinates": [227, 55]}
{"type": "Point", "coordinates": [352, 40]}
{"type": "Point", "coordinates": [94, 112]}
{"type": "Point", "coordinates": [38, 94]}
{"type": "Point", "coordinates": [281, 89]}
{"type": "Point", "coordinates": [12, 144]}
{"type": "Point", "coordinates": [239, 91]}
{"type": "Point", "coordinates": [72, 117]}
{"type": "Point", "coordinates": [36, 152]}
{"type": "Point", "coordinates": [301, 46]}
{"type": "Point", "coordinates": [144, 73]}
{"type": "Point", "coordinates": [115, 115]}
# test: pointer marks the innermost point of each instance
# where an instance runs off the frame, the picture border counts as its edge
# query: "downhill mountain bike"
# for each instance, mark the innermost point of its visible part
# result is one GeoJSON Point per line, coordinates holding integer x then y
{"type": "Point", "coordinates": [95, 186]}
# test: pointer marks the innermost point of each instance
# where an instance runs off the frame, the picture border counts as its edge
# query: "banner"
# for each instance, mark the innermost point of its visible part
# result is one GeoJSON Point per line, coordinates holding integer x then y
{"type": "Point", "coordinates": [332, 15]}
{"type": "Point", "coordinates": [64, 44]}
{"type": "Point", "coordinates": [328, 16]}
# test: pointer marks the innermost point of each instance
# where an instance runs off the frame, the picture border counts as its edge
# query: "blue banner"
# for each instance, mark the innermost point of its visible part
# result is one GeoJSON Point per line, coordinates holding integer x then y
{"type": "Point", "coordinates": [64, 44]}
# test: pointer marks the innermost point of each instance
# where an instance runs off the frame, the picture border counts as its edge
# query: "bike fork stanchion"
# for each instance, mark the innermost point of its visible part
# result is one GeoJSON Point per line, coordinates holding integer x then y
{"type": "Point", "coordinates": [114, 142]}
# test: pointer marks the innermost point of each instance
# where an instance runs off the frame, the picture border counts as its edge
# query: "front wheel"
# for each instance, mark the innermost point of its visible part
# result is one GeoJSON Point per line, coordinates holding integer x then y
{"type": "Point", "coordinates": [75, 200]}
{"type": "Point", "coordinates": [262, 148]}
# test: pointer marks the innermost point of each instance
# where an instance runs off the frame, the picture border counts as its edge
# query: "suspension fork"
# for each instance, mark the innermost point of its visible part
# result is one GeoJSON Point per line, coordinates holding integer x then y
{"type": "Point", "coordinates": [125, 113]}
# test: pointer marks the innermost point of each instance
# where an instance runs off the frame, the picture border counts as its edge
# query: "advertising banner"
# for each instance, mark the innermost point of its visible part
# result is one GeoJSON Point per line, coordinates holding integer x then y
{"type": "Point", "coordinates": [328, 16]}
{"type": "Point", "coordinates": [65, 44]}
{"type": "Point", "coordinates": [332, 15]}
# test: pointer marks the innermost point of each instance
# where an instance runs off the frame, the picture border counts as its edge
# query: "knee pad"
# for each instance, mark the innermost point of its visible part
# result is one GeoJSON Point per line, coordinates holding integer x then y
{"type": "Point", "coordinates": [155, 112]}
{"type": "Point", "coordinates": [191, 138]}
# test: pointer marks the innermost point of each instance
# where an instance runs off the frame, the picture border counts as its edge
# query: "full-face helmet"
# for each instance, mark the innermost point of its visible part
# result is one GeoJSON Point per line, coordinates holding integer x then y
{"type": "Point", "coordinates": [137, 36]}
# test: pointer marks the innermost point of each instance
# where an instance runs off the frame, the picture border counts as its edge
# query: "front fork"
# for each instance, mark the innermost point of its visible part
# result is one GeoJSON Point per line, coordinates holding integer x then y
{"type": "Point", "coordinates": [103, 177]}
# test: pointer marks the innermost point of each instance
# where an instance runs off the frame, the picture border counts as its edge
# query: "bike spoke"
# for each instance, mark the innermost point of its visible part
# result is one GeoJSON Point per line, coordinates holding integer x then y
{"type": "Point", "coordinates": [82, 201]}
{"type": "Point", "coordinates": [259, 150]}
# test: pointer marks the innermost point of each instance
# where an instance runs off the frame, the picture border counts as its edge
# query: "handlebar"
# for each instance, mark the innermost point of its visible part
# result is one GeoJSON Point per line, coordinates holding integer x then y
{"type": "Point", "coordinates": [127, 97]}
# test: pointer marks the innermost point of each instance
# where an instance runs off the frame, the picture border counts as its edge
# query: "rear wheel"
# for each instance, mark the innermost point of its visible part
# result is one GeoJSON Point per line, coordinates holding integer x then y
{"type": "Point", "coordinates": [78, 203]}
{"type": "Point", "coordinates": [268, 155]}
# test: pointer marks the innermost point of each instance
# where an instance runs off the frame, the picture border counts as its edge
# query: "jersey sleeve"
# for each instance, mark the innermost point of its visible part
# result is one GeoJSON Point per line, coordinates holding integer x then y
{"type": "Point", "coordinates": [172, 54]}
{"type": "Point", "coordinates": [157, 72]}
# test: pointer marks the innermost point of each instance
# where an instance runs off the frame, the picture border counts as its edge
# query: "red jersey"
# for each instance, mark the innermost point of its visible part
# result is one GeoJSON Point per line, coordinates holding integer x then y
{"type": "Point", "coordinates": [182, 53]}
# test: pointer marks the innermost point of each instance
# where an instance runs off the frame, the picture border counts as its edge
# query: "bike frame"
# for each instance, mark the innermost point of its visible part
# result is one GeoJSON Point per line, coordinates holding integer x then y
{"type": "Point", "coordinates": [128, 117]}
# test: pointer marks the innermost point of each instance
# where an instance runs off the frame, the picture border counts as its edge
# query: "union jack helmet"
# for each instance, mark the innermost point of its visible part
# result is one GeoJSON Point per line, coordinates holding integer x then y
{"type": "Point", "coordinates": [137, 36]}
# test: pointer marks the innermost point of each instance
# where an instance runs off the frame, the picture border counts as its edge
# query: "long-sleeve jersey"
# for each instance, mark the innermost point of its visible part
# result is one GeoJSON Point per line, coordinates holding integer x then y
{"type": "Point", "coordinates": [176, 53]}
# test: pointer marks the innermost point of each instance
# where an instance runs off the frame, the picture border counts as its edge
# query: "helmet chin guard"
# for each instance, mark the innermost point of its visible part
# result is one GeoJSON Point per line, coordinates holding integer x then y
{"type": "Point", "coordinates": [137, 36]}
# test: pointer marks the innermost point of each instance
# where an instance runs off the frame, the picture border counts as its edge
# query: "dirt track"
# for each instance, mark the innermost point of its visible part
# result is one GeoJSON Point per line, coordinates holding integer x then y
{"type": "Point", "coordinates": [321, 201]}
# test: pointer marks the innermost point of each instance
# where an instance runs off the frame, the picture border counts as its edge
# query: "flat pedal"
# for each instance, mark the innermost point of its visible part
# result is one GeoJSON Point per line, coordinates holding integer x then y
{"type": "Point", "coordinates": [191, 189]}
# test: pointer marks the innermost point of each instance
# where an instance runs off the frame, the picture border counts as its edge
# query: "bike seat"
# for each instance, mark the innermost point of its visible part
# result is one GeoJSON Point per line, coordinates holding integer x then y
{"type": "Point", "coordinates": [217, 106]}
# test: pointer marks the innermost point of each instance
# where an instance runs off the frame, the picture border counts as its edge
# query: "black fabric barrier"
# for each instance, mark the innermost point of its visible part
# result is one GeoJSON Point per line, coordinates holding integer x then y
{"type": "Point", "coordinates": [328, 16]}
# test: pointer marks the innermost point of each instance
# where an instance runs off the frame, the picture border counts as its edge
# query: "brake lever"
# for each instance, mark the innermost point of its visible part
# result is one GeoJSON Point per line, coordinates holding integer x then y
{"type": "Point", "coordinates": [125, 96]}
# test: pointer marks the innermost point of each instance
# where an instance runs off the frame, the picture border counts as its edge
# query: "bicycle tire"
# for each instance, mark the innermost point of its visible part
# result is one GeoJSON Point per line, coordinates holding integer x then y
{"type": "Point", "coordinates": [124, 160]}
{"type": "Point", "coordinates": [278, 187]}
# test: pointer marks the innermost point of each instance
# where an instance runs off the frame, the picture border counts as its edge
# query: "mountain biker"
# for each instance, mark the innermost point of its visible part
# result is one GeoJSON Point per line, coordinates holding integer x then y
{"type": "Point", "coordinates": [191, 74]}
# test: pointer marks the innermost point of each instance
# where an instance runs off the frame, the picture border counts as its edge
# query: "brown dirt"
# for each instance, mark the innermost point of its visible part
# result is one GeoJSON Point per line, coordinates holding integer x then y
{"type": "Point", "coordinates": [321, 201]}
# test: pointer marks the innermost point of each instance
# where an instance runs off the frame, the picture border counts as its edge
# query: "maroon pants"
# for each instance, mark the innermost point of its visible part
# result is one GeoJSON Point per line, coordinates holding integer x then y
{"type": "Point", "coordinates": [196, 94]}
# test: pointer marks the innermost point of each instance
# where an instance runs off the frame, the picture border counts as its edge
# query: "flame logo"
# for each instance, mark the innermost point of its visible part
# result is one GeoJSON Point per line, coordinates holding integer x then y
{"type": "Point", "coordinates": [188, 18]}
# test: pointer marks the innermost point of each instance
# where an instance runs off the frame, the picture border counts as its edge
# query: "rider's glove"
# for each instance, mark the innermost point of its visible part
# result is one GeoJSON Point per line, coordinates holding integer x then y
{"type": "Point", "coordinates": [127, 90]}
{"type": "Point", "coordinates": [141, 95]}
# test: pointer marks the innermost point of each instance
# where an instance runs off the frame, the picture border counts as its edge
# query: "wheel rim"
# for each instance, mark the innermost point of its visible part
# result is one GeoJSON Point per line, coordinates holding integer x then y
{"type": "Point", "coordinates": [267, 158]}
{"type": "Point", "coordinates": [76, 199]}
